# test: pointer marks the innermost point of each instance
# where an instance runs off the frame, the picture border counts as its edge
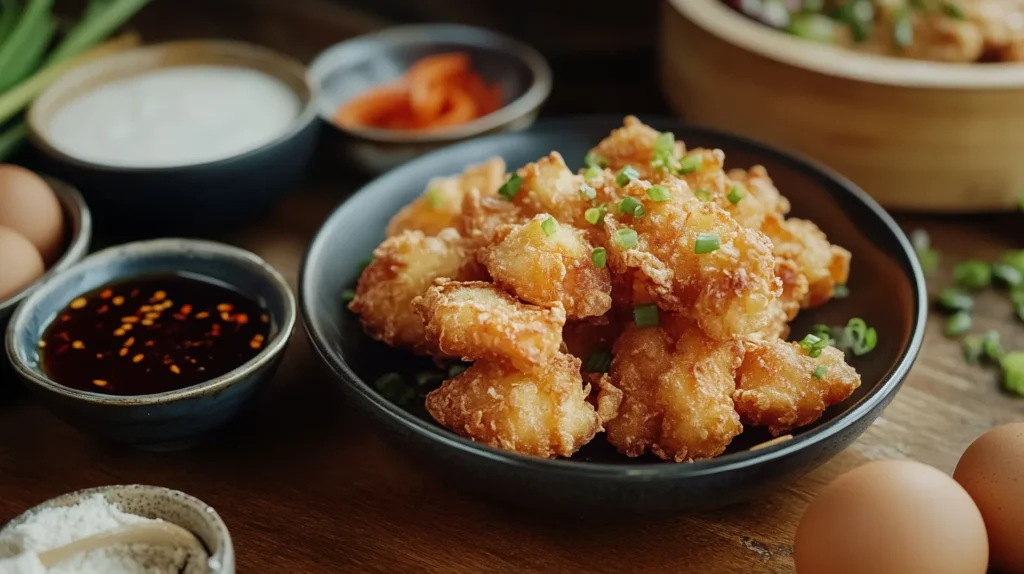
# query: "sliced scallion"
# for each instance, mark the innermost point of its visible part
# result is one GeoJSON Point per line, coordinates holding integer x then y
{"type": "Point", "coordinates": [393, 388]}
{"type": "Point", "coordinates": [549, 226]}
{"type": "Point", "coordinates": [813, 344]}
{"type": "Point", "coordinates": [594, 159]}
{"type": "Point", "coordinates": [658, 194]}
{"type": "Point", "coordinates": [735, 194]}
{"type": "Point", "coordinates": [595, 215]}
{"type": "Point", "coordinates": [973, 274]}
{"type": "Point", "coordinates": [958, 324]}
{"type": "Point", "coordinates": [903, 30]}
{"type": "Point", "coordinates": [972, 347]}
{"type": "Point", "coordinates": [703, 195]}
{"type": "Point", "coordinates": [632, 206]}
{"type": "Point", "coordinates": [593, 172]}
{"type": "Point", "coordinates": [599, 257]}
{"type": "Point", "coordinates": [1013, 372]}
{"type": "Point", "coordinates": [1007, 274]}
{"type": "Point", "coordinates": [510, 188]}
{"type": "Point", "coordinates": [819, 372]}
{"type": "Point", "coordinates": [435, 198]}
{"type": "Point", "coordinates": [625, 238]}
{"type": "Point", "coordinates": [348, 295]}
{"type": "Point", "coordinates": [953, 299]}
{"type": "Point", "coordinates": [992, 346]}
{"type": "Point", "coordinates": [587, 193]}
{"type": "Point", "coordinates": [646, 316]}
{"type": "Point", "coordinates": [626, 175]}
{"type": "Point", "coordinates": [706, 243]}
{"type": "Point", "coordinates": [690, 163]}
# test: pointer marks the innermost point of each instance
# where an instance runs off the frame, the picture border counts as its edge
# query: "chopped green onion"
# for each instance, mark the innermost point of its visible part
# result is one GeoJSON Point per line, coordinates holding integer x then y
{"type": "Point", "coordinates": [926, 256]}
{"type": "Point", "coordinates": [598, 362]}
{"type": "Point", "coordinates": [814, 27]}
{"type": "Point", "coordinates": [1013, 372]}
{"type": "Point", "coordinates": [691, 163]}
{"type": "Point", "coordinates": [903, 31]}
{"type": "Point", "coordinates": [1008, 274]}
{"type": "Point", "coordinates": [958, 324]}
{"type": "Point", "coordinates": [703, 195]}
{"type": "Point", "coordinates": [658, 193]}
{"type": "Point", "coordinates": [953, 299]}
{"type": "Point", "coordinates": [594, 159]}
{"type": "Point", "coordinates": [595, 215]}
{"type": "Point", "coordinates": [824, 332]}
{"type": "Point", "coordinates": [992, 346]}
{"type": "Point", "coordinates": [435, 198]}
{"type": "Point", "coordinates": [706, 243]}
{"type": "Point", "coordinates": [928, 259]}
{"type": "Point", "coordinates": [1015, 259]}
{"type": "Point", "coordinates": [625, 238]}
{"type": "Point", "coordinates": [393, 388]}
{"type": "Point", "coordinates": [587, 193]}
{"type": "Point", "coordinates": [814, 345]}
{"type": "Point", "coordinates": [348, 295]}
{"type": "Point", "coordinates": [510, 188]}
{"type": "Point", "coordinates": [735, 194]}
{"type": "Point", "coordinates": [364, 263]}
{"type": "Point", "coordinates": [599, 256]}
{"type": "Point", "coordinates": [840, 292]}
{"type": "Point", "coordinates": [632, 206]}
{"type": "Point", "coordinates": [549, 226]}
{"type": "Point", "coordinates": [862, 339]}
{"type": "Point", "coordinates": [1020, 311]}
{"type": "Point", "coordinates": [858, 15]}
{"type": "Point", "coordinates": [664, 152]}
{"type": "Point", "coordinates": [1017, 295]}
{"type": "Point", "coordinates": [593, 172]}
{"type": "Point", "coordinates": [972, 347]}
{"type": "Point", "coordinates": [645, 316]}
{"type": "Point", "coordinates": [626, 175]}
{"type": "Point", "coordinates": [953, 11]}
{"type": "Point", "coordinates": [819, 372]}
{"type": "Point", "coordinates": [973, 274]}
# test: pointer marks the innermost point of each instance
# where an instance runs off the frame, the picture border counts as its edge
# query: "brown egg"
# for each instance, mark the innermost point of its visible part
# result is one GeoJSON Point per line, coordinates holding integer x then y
{"type": "Point", "coordinates": [892, 517]}
{"type": "Point", "coordinates": [992, 472]}
{"type": "Point", "coordinates": [20, 261]}
{"type": "Point", "coordinates": [29, 206]}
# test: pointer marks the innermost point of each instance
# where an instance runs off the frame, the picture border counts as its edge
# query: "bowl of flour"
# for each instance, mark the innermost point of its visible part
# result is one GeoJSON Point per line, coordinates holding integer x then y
{"type": "Point", "coordinates": [77, 515]}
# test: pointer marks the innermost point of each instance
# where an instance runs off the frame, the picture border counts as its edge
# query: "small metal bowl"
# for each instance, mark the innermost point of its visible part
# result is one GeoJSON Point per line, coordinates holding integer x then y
{"type": "Point", "coordinates": [348, 69]}
{"type": "Point", "coordinates": [162, 421]}
{"type": "Point", "coordinates": [78, 234]}
{"type": "Point", "coordinates": [169, 505]}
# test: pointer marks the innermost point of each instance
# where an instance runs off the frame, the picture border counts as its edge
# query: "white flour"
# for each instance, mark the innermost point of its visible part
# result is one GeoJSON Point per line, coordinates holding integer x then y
{"type": "Point", "coordinates": [54, 527]}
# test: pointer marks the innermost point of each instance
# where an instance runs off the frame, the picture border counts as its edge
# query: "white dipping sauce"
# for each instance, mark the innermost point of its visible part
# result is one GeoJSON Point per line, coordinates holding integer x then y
{"type": "Point", "coordinates": [174, 116]}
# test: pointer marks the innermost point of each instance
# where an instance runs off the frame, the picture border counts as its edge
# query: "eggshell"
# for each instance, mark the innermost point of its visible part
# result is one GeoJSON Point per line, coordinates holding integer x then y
{"type": "Point", "coordinates": [892, 517]}
{"type": "Point", "coordinates": [29, 206]}
{"type": "Point", "coordinates": [20, 262]}
{"type": "Point", "coordinates": [992, 472]}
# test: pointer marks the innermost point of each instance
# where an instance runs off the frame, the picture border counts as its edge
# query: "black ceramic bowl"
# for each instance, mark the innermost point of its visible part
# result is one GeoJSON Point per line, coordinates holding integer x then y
{"type": "Point", "coordinates": [167, 420]}
{"type": "Point", "coordinates": [887, 290]}
{"type": "Point", "coordinates": [149, 202]}
{"type": "Point", "coordinates": [345, 70]}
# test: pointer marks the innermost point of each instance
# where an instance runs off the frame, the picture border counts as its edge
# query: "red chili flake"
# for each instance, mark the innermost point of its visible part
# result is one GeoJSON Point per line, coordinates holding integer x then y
{"type": "Point", "coordinates": [175, 369]}
{"type": "Point", "coordinates": [226, 317]}
{"type": "Point", "coordinates": [118, 301]}
{"type": "Point", "coordinates": [106, 294]}
{"type": "Point", "coordinates": [123, 352]}
{"type": "Point", "coordinates": [102, 310]}
{"type": "Point", "coordinates": [63, 336]}
{"type": "Point", "coordinates": [129, 341]}
{"type": "Point", "coordinates": [129, 319]}
{"type": "Point", "coordinates": [99, 355]}
{"type": "Point", "coordinates": [202, 315]}
{"type": "Point", "coordinates": [186, 309]}
{"type": "Point", "coordinates": [158, 296]}
{"type": "Point", "coordinates": [65, 318]}
{"type": "Point", "coordinates": [241, 318]}
{"type": "Point", "coordinates": [225, 307]}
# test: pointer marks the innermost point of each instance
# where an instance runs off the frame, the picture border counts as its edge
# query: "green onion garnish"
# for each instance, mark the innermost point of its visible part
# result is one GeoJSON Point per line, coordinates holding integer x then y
{"type": "Point", "coordinates": [973, 274]}
{"type": "Point", "coordinates": [703, 195]}
{"type": "Point", "coordinates": [664, 152]}
{"type": "Point", "coordinates": [393, 388]}
{"type": "Point", "coordinates": [814, 345]}
{"type": "Point", "coordinates": [824, 332]}
{"type": "Point", "coordinates": [598, 362]}
{"type": "Point", "coordinates": [972, 347]}
{"type": "Point", "coordinates": [348, 295]}
{"type": "Point", "coordinates": [593, 172]}
{"type": "Point", "coordinates": [632, 206]}
{"type": "Point", "coordinates": [1015, 259]}
{"type": "Point", "coordinates": [920, 239]}
{"type": "Point", "coordinates": [626, 175]}
{"type": "Point", "coordinates": [658, 193]}
{"type": "Point", "coordinates": [645, 316]}
{"type": "Point", "coordinates": [510, 188]}
{"type": "Point", "coordinates": [840, 292]}
{"type": "Point", "coordinates": [587, 193]}
{"type": "Point", "coordinates": [599, 256]}
{"type": "Point", "coordinates": [1013, 372]}
{"type": "Point", "coordinates": [690, 163]}
{"type": "Point", "coordinates": [814, 27]}
{"type": "Point", "coordinates": [625, 238]}
{"type": "Point", "coordinates": [953, 299]}
{"type": "Point", "coordinates": [903, 31]}
{"type": "Point", "coordinates": [992, 346]}
{"type": "Point", "coordinates": [435, 198]}
{"type": "Point", "coordinates": [819, 372]}
{"type": "Point", "coordinates": [958, 323]}
{"type": "Point", "coordinates": [735, 194]}
{"type": "Point", "coordinates": [926, 256]}
{"type": "Point", "coordinates": [953, 11]}
{"type": "Point", "coordinates": [594, 159]}
{"type": "Point", "coordinates": [706, 243]}
{"type": "Point", "coordinates": [549, 226]}
{"type": "Point", "coordinates": [862, 339]}
{"type": "Point", "coordinates": [1008, 274]}
{"type": "Point", "coordinates": [595, 215]}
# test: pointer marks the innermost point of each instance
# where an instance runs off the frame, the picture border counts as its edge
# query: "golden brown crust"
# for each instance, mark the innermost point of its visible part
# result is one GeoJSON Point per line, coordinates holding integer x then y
{"type": "Point", "coordinates": [440, 206]}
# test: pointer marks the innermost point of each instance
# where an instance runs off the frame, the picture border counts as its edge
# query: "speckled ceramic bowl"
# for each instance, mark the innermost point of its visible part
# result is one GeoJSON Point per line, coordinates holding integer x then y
{"type": "Point", "coordinates": [161, 421]}
{"type": "Point", "coordinates": [169, 505]}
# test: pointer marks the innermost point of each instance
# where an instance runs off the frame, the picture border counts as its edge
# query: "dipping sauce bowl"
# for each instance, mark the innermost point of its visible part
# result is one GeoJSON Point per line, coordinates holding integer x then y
{"type": "Point", "coordinates": [166, 420]}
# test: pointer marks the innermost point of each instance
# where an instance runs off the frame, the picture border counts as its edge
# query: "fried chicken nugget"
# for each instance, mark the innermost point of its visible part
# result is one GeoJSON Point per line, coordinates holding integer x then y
{"type": "Point", "coordinates": [633, 145]}
{"type": "Point", "coordinates": [483, 215]}
{"type": "Point", "coordinates": [543, 413]}
{"type": "Point", "coordinates": [440, 206]}
{"type": "Point", "coordinates": [677, 386]}
{"type": "Point", "coordinates": [728, 290]}
{"type": "Point", "coordinates": [478, 321]}
{"type": "Point", "coordinates": [544, 262]}
{"type": "Point", "coordinates": [802, 242]}
{"type": "Point", "coordinates": [777, 386]}
{"type": "Point", "coordinates": [550, 187]}
{"type": "Point", "coordinates": [403, 267]}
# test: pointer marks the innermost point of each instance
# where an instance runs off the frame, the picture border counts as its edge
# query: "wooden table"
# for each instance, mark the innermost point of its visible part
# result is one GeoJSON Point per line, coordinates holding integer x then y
{"type": "Point", "coordinates": [307, 487]}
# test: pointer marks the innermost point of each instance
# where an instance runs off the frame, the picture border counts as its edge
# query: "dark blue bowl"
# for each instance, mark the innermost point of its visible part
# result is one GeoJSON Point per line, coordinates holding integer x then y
{"type": "Point", "coordinates": [166, 420]}
{"type": "Point", "coordinates": [887, 290]}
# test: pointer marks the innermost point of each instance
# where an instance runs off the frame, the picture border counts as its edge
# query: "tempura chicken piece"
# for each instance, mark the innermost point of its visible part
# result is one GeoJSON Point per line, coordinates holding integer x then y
{"type": "Point", "coordinates": [800, 241]}
{"type": "Point", "coordinates": [550, 187]}
{"type": "Point", "coordinates": [440, 206]}
{"type": "Point", "coordinates": [403, 267]}
{"type": "Point", "coordinates": [632, 145]}
{"type": "Point", "coordinates": [781, 387]}
{"type": "Point", "coordinates": [759, 199]}
{"type": "Point", "coordinates": [478, 321]}
{"type": "Point", "coordinates": [543, 413]}
{"type": "Point", "coordinates": [693, 258]}
{"type": "Point", "coordinates": [786, 307]}
{"type": "Point", "coordinates": [677, 386]}
{"type": "Point", "coordinates": [545, 262]}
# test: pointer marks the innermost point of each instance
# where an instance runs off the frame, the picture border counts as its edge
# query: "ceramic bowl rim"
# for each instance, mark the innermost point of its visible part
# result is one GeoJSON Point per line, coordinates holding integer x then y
{"type": "Point", "coordinates": [307, 113]}
{"type": "Point", "coordinates": [530, 100]}
{"type": "Point", "coordinates": [884, 391]}
{"type": "Point", "coordinates": [142, 250]}
{"type": "Point", "coordinates": [77, 247]}
{"type": "Point", "coordinates": [224, 533]}
{"type": "Point", "coordinates": [728, 25]}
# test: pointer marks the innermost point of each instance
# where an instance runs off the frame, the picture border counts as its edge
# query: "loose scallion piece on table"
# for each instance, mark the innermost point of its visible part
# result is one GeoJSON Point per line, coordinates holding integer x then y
{"type": "Point", "coordinates": [926, 256]}
{"type": "Point", "coordinates": [958, 324]}
{"type": "Point", "coordinates": [814, 27]}
{"type": "Point", "coordinates": [992, 347]}
{"type": "Point", "coordinates": [973, 274]}
{"type": "Point", "coordinates": [736, 194]}
{"type": "Point", "coordinates": [953, 299]}
{"type": "Point", "coordinates": [1012, 365]}
{"type": "Point", "coordinates": [973, 348]}
{"type": "Point", "coordinates": [1007, 274]}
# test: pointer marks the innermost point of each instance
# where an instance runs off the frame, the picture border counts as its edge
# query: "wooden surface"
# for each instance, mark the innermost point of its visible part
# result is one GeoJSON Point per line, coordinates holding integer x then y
{"type": "Point", "coordinates": [306, 486]}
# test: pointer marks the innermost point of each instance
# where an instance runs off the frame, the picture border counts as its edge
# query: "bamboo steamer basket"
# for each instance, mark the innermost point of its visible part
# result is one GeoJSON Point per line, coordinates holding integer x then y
{"type": "Point", "coordinates": [923, 136]}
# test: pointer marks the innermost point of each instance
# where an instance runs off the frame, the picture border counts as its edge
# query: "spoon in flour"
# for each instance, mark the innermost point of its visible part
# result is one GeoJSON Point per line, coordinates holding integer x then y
{"type": "Point", "coordinates": [151, 533]}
